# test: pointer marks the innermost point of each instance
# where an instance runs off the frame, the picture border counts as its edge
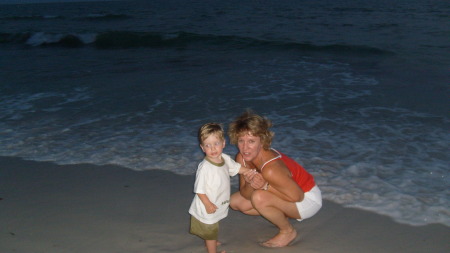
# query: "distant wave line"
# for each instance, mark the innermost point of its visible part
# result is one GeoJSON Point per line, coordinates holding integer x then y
{"type": "Point", "coordinates": [93, 17]}
{"type": "Point", "coordinates": [129, 39]}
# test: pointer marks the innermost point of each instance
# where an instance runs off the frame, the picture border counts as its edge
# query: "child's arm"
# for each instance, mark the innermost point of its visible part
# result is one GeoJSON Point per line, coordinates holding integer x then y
{"type": "Point", "coordinates": [210, 207]}
{"type": "Point", "coordinates": [243, 170]}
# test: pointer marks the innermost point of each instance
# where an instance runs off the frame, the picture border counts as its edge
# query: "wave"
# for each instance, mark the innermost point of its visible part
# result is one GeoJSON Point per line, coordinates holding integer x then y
{"type": "Point", "coordinates": [88, 17]}
{"type": "Point", "coordinates": [95, 17]}
{"type": "Point", "coordinates": [47, 39]}
{"type": "Point", "coordinates": [352, 9]}
{"type": "Point", "coordinates": [127, 39]}
{"type": "Point", "coordinates": [33, 17]}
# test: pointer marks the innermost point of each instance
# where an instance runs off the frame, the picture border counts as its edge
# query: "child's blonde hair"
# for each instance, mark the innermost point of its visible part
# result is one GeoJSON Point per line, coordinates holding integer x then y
{"type": "Point", "coordinates": [208, 129]}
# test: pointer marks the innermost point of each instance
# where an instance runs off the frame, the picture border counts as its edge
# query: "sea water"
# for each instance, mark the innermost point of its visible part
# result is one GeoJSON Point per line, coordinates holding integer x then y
{"type": "Point", "coordinates": [358, 91]}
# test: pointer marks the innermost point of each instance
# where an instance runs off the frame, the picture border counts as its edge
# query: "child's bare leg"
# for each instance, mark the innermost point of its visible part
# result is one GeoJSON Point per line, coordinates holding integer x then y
{"type": "Point", "coordinates": [211, 246]}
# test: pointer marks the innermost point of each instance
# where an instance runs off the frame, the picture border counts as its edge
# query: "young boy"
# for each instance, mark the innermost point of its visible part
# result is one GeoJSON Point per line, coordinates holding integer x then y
{"type": "Point", "coordinates": [212, 186]}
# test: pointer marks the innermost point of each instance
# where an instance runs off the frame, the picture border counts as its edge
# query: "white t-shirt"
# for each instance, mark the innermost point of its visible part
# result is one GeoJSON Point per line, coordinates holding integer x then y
{"type": "Point", "coordinates": [214, 181]}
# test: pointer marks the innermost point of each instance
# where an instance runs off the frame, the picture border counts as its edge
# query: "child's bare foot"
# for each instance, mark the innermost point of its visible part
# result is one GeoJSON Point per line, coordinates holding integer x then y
{"type": "Point", "coordinates": [282, 239]}
{"type": "Point", "coordinates": [218, 244]}
{"type": "Point", "coordinates": [211, 246]}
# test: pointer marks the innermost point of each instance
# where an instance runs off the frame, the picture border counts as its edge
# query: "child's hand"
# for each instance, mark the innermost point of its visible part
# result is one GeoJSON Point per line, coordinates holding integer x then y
{"type": "Point", "coordinates": [211, 208]}
{"type": "Point", "coordinates": [244, 170]}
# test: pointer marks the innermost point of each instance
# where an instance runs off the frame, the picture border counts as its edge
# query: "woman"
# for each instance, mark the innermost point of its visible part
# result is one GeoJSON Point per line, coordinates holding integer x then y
{"type": "Point", "coordinates": [277, 188]}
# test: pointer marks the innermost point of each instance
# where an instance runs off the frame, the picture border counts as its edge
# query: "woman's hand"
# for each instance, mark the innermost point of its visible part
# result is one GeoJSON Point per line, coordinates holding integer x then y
{"type": "Point", "coordinates": [248, 175]}
{"type": "Point", "coordinates": [255, 179]}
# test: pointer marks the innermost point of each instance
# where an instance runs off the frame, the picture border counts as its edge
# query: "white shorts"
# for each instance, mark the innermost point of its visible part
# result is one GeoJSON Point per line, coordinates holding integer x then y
{"type": "Point", "coordinates": [311, 204]}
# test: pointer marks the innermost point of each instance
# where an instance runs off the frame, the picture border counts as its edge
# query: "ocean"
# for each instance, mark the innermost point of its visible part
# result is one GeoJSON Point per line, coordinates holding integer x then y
{"type": "Point", "coordinates": [358, 91]}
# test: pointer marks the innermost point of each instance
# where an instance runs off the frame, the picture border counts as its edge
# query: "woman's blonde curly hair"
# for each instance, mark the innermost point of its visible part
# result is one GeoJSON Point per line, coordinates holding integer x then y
{"type": "Point", "coordinates": [253, 124]}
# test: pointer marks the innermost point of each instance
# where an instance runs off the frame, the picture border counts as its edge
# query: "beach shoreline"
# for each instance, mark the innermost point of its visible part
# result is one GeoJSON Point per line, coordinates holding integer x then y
{"type": "Point", "coordinates": [45, 207]}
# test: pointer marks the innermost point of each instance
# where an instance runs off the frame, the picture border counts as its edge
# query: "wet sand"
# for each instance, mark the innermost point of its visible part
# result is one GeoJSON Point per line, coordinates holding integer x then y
{"type": "Point", "coordinates": [46, 207]}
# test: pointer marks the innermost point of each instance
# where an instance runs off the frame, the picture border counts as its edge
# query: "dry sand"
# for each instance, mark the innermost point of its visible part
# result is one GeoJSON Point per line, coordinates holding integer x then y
{"type": "Point", "coordinates": [85, 208]}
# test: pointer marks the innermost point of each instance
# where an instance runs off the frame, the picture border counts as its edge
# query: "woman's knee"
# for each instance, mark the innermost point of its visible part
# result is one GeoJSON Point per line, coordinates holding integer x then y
{"type": "Point", "coordinates": [260, 199]}
{"type": "Point", "coordinates": [234, 204]}
{"type": "Point", "coordinates": [237, 201]}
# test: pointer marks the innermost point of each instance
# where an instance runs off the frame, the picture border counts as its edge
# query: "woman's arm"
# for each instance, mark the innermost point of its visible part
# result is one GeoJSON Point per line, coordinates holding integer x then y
{"type": "Point", "coordinates": [281, 183]}
{"type": "Point", "coordinates": [245, 187]}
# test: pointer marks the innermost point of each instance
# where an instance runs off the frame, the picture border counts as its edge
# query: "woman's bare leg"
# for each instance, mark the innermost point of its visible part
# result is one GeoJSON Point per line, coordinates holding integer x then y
{"type": "Point", "coordinates": [278, 212]}
{"type": "Point", "coordinates": [239, 203]}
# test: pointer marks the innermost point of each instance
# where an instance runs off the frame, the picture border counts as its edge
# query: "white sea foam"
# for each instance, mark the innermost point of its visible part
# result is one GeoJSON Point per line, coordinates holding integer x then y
{"type": "Point", "coordinates": [43, 38]}
{"type": "Point", "coordinates": [367, 168]}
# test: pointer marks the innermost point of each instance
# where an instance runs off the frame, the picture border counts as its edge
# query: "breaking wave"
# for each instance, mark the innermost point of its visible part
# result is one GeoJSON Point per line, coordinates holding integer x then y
{"type": "Point", "coordinates": [128, 39]}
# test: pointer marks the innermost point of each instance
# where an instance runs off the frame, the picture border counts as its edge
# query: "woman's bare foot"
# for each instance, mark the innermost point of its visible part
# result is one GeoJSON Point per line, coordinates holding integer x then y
{"type": "Point", "coordinates": [282, 239]}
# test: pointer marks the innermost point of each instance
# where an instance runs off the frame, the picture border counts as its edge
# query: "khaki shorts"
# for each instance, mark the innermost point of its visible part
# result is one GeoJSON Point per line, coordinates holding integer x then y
{"type": "Point", "coordinates": [204, 231]}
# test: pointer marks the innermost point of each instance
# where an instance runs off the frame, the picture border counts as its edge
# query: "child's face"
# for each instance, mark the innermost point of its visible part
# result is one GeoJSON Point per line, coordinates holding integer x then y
{"type": "Point", "coordinates": [213, 147]}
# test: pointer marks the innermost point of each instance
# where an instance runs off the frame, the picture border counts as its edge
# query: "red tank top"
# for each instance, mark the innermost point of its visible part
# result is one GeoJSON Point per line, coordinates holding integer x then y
{"type": "Point", "coordinates": [299, 174]}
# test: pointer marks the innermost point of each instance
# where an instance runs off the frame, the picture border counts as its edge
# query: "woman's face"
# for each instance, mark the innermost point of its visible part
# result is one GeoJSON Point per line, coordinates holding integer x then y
{"type": "Point", "coordinates": [249, 146]}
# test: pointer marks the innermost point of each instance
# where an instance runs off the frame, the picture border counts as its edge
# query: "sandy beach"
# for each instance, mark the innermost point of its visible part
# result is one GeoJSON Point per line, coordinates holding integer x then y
{"type": "Point", "coordinates": [46, 207]}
